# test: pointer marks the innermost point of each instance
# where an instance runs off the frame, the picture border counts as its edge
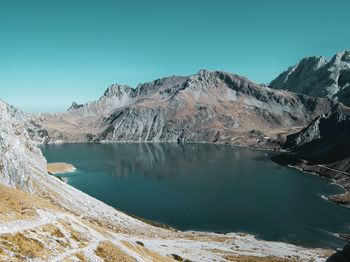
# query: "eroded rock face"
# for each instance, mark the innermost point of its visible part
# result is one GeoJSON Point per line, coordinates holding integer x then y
{"type": "Point", "coordinates": [115, 96]}
{"type": "Point", "coordinates": [316, 76]}
{"type": "Point", "coordinates": [29, 121]}
{"type": "Point", "coordinates": [19, 157]}
{"type": "Point", "coordinates": [323, 147]}
{"type": "Point", "coordinates": [205, 107]}
{"type": "Point", "coordinates": [325, 139]}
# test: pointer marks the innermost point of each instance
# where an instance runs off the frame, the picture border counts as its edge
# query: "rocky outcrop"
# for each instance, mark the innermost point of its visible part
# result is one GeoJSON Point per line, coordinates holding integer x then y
{"type": "Point", "coordinates": [316, 76]}
{"type": "Point", "coordinates": [75, 106]}
{"type": "Point", "coordinates": [19, 157]}
{"type": "Point", "coordinates": [325, 139]}
{"type": "Point", "coordinates": [35, 131]}
{"type": "Point", "coordinates": [323, 147]}
{"type": "Point", "coordinates": [114, 97]}
{"type": "Point", "coordinates": [341, 256]}
{"type": "Point", "coordinates": [210, 106]}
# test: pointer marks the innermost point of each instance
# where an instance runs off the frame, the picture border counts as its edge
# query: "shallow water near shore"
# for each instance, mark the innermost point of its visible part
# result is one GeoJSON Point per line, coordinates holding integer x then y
{"type": "Point", "coordinates": [209, 188]}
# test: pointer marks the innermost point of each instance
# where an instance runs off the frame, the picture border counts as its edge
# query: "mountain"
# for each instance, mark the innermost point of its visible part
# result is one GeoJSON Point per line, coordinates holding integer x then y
{"type": "Point", "coordinates": [316, 76]}
{"type": "Point", "coordinates": [45, 219]}
{"type": "Point", "coordinates": [114, 96]}
{"type": "Point", "coordinates": [210, 106]}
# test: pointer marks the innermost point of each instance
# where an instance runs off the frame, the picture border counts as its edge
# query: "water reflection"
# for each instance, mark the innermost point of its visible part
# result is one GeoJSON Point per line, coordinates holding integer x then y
{"type": "Point", "coordinates": [169, 159]}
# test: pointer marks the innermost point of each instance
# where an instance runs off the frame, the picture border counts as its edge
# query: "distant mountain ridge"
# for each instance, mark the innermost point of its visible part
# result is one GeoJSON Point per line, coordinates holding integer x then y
{"type": "Point", "coordinates": [316, 76]}
{"type": "Point", "coordinates": [114, 96]}
{"type": "Point", "coordinates": [209, 106]}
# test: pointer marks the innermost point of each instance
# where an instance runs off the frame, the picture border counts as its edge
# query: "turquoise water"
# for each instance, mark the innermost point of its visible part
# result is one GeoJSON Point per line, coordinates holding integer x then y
{"type": "Point", "coordinates": [208, 187]}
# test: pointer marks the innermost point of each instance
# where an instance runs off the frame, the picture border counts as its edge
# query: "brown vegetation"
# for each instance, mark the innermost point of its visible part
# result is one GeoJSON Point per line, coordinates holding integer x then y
{"type": "Point", "coordinates": [15, 204]}
{"type": "Point", "coordinates": [110, 253]}
{"type": "Point", "coordinates": [23, 247]}
{"type": "Point", "coordinates": [146, 253]}
{"type": "Point", "coordinates": [258, 259]}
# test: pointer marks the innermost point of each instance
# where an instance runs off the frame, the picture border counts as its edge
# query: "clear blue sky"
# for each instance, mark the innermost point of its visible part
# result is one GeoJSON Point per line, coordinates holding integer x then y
{"type": "Point", "coordinates": [54, 52]}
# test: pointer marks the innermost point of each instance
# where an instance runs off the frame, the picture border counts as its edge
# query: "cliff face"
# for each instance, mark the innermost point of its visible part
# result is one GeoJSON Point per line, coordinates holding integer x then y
{"type": "Point", "coordinates": [19, 157]}
{"type": "Point", "coordinates": [205, 107]}
{"type": "Point", "coordinates": [316, 76]}
{"type": "Point", "coordinates": [325, 139]}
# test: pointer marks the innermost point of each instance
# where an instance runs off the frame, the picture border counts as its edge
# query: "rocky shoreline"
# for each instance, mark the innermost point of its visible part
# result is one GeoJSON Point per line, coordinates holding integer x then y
{"type": "Point", "coordinates": [338, 177]}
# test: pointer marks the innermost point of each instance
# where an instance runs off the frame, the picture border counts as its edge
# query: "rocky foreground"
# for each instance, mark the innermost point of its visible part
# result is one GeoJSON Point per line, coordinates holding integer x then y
{"type": "Point", "coordinates": [44, 219]}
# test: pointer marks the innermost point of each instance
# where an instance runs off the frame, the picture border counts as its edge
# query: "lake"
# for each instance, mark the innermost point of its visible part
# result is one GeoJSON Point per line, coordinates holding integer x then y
{"type": "Point", "coordinates": [209, 188]}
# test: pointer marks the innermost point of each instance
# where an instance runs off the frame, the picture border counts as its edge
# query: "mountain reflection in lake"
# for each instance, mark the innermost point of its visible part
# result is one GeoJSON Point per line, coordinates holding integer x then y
{"type": "Point", "coordinates": [160, 159]}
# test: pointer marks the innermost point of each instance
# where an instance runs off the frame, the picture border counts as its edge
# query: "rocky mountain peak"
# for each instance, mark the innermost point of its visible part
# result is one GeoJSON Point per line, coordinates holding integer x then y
{"type": "Point", "coordinates": [319, 61]}
{"type": "Point", "coordinates": [316, 76]}
{"type": "Point", "coordinates": [341, 57]}
{"type": "Point", "coordinates": [115, 96]}
{"type": "Point", "coordinates": [346, 56]}
{"type": "Point", "coordinates": [165, 85]}
{"type": "Point", "coordinates": [117, 90]}
{"type": "Point", "coordinates": [312, 62]}
{"type": "Point", "coordinates": [204, 73]}
{"type": "Point", "coordinates": [212, 78]}
{"type": "Point", "coordinates": [75, 106]}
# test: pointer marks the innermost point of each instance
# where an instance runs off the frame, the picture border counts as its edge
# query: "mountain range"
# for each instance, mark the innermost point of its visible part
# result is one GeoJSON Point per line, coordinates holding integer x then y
{"type": "Point", "coordinates": [210, 106]}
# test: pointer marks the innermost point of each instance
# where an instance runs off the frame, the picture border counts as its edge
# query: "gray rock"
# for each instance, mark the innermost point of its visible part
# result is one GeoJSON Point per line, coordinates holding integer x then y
{"type": "Point", "coordinates": [114, 97]}
{"type": "Point", "coordinates": [325, 139]}
{"type": "Point", "coordinates": [19, 157]}
{"type": "Point", "coordinates": [341, 256]}
{"type": "Point", "coordinates": [323, 147]}
{"type": "Point", "coordinates": [316, 76]}
{"type": "Point", "coordinates": [36, 132]}
{"type": "Point", "coordinates": [75, 106]}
